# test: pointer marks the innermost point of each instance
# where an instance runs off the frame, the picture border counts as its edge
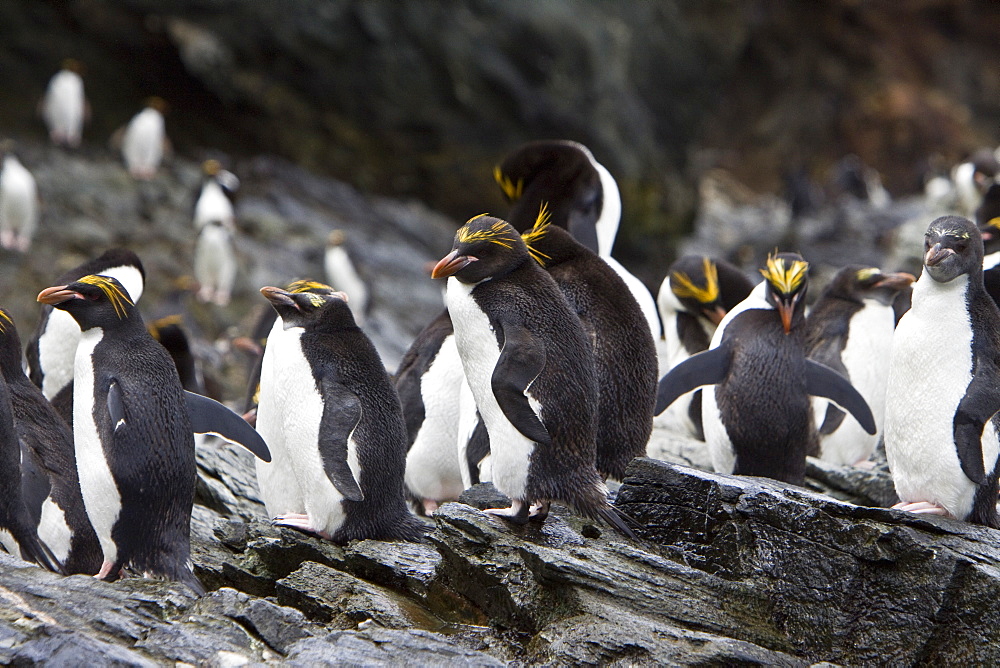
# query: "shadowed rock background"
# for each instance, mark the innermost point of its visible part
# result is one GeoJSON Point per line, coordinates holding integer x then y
{"type": "Point", "coordinates": [385, 119]}
{"type": "Point", "coordinates": [421, 99]}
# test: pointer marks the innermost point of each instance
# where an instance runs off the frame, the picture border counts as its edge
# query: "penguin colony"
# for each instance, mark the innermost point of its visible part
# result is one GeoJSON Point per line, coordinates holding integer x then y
{"type": "Point", "coordinates": [541, 375]}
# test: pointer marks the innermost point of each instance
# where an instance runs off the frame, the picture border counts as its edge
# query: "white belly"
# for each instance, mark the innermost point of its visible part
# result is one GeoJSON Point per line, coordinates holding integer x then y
{"type": "Point", "coordinates": [866, 357]}
{"type": "Point", "coordinates": [930, 369]}
{"type": "Point", "coordinates": [213, 205]}
{"type": "Point", "coordinates": [57, 352]}
{"type": "Point", "coordinates": [342, 275]}
{"type": "Point", "coordinates": [510, 451]}
{"type": "Point", "coordinates": [101, 497]}
{"type": "Point", "coordinates": [215, 260]}
{"type": "Point", "coordinates": [53, 530]}
{"type": "Point", "coordinates": [279, 488]}
{"type": "Point", "coordinates": [64, 106]}
{"type": "Point", "coordinates": [432, 464]}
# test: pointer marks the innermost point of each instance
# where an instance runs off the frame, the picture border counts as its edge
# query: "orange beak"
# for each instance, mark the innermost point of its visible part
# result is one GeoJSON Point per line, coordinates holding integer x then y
{"type": "Point", "coordinates": [450, 264]}
{"type": "Point", "coordinates": [57, 295]}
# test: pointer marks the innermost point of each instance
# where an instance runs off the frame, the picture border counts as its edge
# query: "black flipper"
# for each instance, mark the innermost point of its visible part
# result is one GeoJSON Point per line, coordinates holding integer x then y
{"type": "Point", "coordinates": [832, 420]}
{"type": "Point", "coordinates": [208, 416]}
{"type": "Point", "coordinates": [341, 414]}
{"type": "Point", "coordinates": [521, 360]}
{"type": "Point", "coordinates": [116, 406]}
{"type": "Point", "coordinates": [822, 381]}
{"type": "Point", "coordinates": [706, 368]}
{"type": "Point", "coordinates": [980, 403]}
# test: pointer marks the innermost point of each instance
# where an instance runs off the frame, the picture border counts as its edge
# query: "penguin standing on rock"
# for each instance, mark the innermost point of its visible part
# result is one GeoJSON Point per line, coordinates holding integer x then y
{"type": "Point", "coordinates": [849, 329]}
{"type": "Point", "coordinates": [50, 483]}
{"type": "Point", "coordinates": [343, 437]}
{"type": "Point", "coordinates": [51, 349]}
{"type": "Point", "coordinates": [531, 369]}
{"type": "Point", "coordinates": [215, 220]}
{"type": "Point", "coordinates": [623, 351]}
{"type": "Point", "coordinates": [18, 204]}
{"type": "Point", "coordinates": [941, 429]}
{"type": "Point", "coordinates": [144, 141]}
{"type": "Point", "coordinates": [582, 197]}
{"type": "Point", "coordinates": [757, 417]}
{"type": "Point", "coordinates": [64, 107]}
{"type": "Point", "coordinates": [693, 299]}
{"type": "Point", "coordinates": [132, 433]}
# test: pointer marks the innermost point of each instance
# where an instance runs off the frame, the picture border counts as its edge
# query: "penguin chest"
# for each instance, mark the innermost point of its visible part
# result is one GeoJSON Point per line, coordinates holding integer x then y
{"type": "Point", "coordinates": [930, 370]}
{"type": "Point", "coordinates": [279, 486]}
{"type": "Point", "coordinates": [477, 345]}
{"type": "Point", "coordinates": [213, 205]}
{"type": "Point", "coordinates": [866, 357]}
{"type": "Point", "coordinates": [57, 347]}
{"type": "Point", "coordinates": [101, 496]}
{"type": "Point", "coordinates": [432, 464]}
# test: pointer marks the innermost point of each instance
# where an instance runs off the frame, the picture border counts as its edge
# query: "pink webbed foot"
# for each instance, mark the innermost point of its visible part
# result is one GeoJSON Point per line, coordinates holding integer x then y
{"type": "Point", "coordinates": [866, 464]}
{"type": "Point", "coordinates": [106, 570]}
{"type": "Point", "coordinates": [518, 512]}
{"type": "Point", "coordinates": [922, 508]}
{"type": "Point", "coordinates": [430, 506]}
{"type": "Point", "coordinates": [300, 522]}
{"type": "Point", "coordinates": [539, 511]}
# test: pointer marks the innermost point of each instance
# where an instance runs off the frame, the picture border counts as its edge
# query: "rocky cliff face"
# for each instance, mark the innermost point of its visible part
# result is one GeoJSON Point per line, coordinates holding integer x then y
{"type": "Point", "coordinates": [422, 99]}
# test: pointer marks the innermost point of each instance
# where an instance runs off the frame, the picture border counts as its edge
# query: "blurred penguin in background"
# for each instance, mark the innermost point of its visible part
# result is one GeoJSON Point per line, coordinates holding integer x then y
{"type": "Point", "coordinates": [215, 252]}
{"type": "Point", "coordinates": [18, 202]}
{"type": "Point", "coordinates": [144, 142]}
{"type": "Point", "coordinates": [64, 108]}
{"type": "Point", "coordinates": [342, 275]}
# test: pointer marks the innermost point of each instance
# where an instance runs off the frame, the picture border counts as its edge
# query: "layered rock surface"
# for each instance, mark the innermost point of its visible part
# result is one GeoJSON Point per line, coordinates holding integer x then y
{"type": "Point", "coordinates": [728, 571]}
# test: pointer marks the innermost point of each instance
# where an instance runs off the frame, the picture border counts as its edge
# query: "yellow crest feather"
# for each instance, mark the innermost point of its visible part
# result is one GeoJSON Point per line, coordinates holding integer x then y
{"type": "Point", "coordinates": [117, 296]}
{"type": "Point", "coordinates": [496, 234]}
{"type": "Point", "coordinates": [682, 285]}
{"type": "Point", "coordinates": [994, 222]}
{"type": "Point", "coordinates": [307, 286]}
{"type": "Point", "coordinates": [866, 273]}
{"type": "Point", "coordinates": [784, 277]}
{"type": "Point", "coordinates": [512, 190]}
{"type": "Point", "coordinates": [4, 320]}
{"type": "Point", "coordinates": [537, 232]}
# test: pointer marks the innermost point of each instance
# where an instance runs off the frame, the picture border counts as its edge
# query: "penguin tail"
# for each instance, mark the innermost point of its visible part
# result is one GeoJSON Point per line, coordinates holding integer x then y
{"type": "Point", "coordinates": [618, 521]}
{"type": "Point", "coordinates": [33, 549]}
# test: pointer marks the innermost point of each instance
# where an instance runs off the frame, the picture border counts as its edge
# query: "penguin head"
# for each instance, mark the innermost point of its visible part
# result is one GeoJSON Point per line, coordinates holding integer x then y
{"type": "Point", "coordinates": [485, 248]}
{"type": "Point", "coordinates": [786, 278]}
{"type": "Point", "coordinates": [694, 281]}
{"type": "Point", "coordinates": [857, 283]}
{"type": "Point", "coordinates": [306, 302]}
{"type": "Point", "coordinates": [561, 173]}
{"type": "Point", "coordinates": [988, 218]}
{"type": "Point", "coordinates": [952, 246]}
{"type": "Point", "coordinates": [93, 301]}
{"type": "Point", "coordinates": [550, 245]}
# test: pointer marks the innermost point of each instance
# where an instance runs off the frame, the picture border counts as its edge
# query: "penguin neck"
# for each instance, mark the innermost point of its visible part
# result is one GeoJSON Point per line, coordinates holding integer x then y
{"type": "Point", "coordinates": [611, 211]}
{"type": "Point", "coordinates": [926, 289]}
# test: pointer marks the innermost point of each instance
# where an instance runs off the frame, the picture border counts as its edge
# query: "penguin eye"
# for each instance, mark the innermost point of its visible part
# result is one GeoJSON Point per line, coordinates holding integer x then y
{"type": "Point", "coordinates": [961, 246]}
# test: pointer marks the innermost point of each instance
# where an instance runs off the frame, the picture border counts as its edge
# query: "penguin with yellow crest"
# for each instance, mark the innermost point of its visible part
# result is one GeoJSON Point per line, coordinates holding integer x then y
{"type": "Point", "coordinates": [757, 417]}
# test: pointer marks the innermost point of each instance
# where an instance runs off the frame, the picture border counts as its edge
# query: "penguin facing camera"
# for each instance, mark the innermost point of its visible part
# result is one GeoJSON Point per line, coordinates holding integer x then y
{"type": "Point", "coordinates": [757, 415]}
{"type": "Point", "coordinates": [144, 140]}
{"type": "Point", "coordinates": [695, 296]}
{"type": "Point", "coordinates": [530, 367]}
{"type": "Point", "coordinates": [941, 429]}
{"type": "Point", "coordinates": [64, 107]}
{"type": "Point", "coordinates": [132, 433]}
{"type": "Point", "coordinates": [215, 198]}
{"type": "Point", "coordinates": [18, 202]}
{"type": "Point", "coordinates": [582, 196]}
{"type": "Point", "coordinates": [850, 329]}
{"type": "Point", "coordinates": [624, 352]}
{"type": "Point", "coordinates": [342, 436]}
{"type": "Point", "coordinates": [50, 484]}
